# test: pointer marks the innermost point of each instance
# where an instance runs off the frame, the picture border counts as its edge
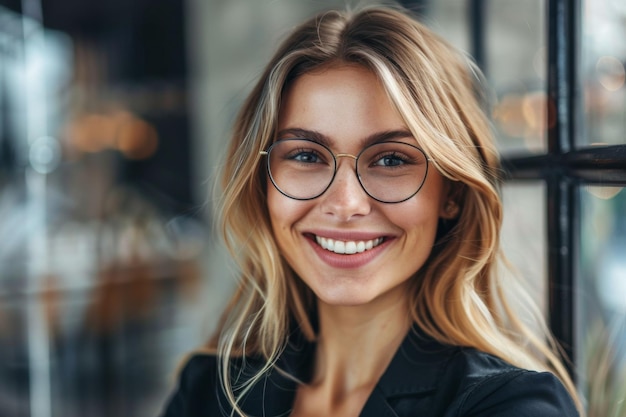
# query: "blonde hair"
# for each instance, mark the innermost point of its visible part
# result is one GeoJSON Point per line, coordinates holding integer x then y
{"type": "Point", "coordinates": [457, 296]}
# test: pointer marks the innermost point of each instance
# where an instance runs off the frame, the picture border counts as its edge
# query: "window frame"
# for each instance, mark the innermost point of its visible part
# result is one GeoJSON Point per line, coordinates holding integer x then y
{"type": "Point", "coordinates": [565, 167]}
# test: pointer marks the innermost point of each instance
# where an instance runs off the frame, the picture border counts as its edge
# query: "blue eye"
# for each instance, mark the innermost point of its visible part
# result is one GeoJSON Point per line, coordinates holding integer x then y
{"type": "Point", "coordinates": [391, 160]}
{"type": "Point", "coordinates": [306, 157]}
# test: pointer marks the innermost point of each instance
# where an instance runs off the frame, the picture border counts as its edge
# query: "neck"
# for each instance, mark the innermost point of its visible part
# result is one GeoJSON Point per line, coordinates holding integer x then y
{"type": "Point", "coordinates": [356, 344]}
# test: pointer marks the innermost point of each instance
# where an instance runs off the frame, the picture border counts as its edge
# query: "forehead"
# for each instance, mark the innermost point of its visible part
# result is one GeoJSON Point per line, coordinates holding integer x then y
{"type": "Point", "coordinates": [343, 103]}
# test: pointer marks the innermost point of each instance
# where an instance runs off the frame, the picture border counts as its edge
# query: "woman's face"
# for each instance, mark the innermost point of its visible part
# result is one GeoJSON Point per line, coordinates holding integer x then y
{"type": "Point", "coordinates": [344, 106]}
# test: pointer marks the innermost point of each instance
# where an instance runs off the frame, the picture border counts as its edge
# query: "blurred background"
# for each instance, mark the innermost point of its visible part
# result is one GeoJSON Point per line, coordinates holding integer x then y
{"type": "Point", "coordinates": [114, 118]}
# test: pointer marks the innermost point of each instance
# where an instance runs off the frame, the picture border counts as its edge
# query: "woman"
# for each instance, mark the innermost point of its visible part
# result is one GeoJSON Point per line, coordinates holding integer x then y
{"type": "Point", "coordinates": [360, 200]}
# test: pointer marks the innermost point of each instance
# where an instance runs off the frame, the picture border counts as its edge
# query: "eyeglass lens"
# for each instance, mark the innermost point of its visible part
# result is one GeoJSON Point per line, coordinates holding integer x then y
{"type": "Point", "coordinates": [389, 172]}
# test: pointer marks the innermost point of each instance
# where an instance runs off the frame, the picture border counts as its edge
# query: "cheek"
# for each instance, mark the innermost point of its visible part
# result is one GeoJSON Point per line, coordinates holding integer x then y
{"type": "Point", "coordinates": [274, 206]}
{"type": "Point", "coordinates": [277, 211]}
{"type": "Point", "coordinates": [433, 195]}
{"type": "Point", "coordinates": [418, 217]}
{"type": "Point", "coordinates": [283, 211]}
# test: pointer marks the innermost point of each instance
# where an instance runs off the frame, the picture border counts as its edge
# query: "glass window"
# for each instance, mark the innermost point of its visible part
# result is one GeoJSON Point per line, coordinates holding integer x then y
{"type": "Point", "coordinates": [523, 236]}
{"type": "Point", "coordinates": [602, 71]}
{"type": "Point", "coordinates": [449, 18]}
{"type": "Point", "coordinates": [601, 300]}
{"type": "Point", "coordinates": [516, 69]}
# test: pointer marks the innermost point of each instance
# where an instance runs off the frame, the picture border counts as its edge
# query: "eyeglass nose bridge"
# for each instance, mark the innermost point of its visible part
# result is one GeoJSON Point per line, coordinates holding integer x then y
{"type": "Point", "coordinates": [346, 155]}
{"type": "Point", "coordinates": [356, 170]}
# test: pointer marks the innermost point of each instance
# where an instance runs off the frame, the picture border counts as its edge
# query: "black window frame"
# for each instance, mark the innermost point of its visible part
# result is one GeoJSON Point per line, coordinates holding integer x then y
{"type": "Point", "coordinates": [565, 167]}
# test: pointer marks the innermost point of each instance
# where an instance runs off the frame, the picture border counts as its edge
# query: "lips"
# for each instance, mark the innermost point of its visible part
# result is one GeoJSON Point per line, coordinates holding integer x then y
{"type": "Point", "coordinates": [347, 247]}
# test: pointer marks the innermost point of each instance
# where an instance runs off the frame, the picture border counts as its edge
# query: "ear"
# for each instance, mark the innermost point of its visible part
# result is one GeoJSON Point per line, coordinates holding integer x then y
{"type": "Point", "coordinates": [449, 210]}
{"type": "Point", "coordinates": [450, 206]}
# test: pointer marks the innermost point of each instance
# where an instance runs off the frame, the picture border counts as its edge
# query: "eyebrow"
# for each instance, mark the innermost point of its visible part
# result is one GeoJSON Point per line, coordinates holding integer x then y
{"type": "Point", "coordinates": [325, 140]}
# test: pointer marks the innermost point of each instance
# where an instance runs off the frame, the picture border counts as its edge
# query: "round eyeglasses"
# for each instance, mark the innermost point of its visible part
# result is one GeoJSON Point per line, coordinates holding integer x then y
{"type": "Point", "coordinates": [389, 172]}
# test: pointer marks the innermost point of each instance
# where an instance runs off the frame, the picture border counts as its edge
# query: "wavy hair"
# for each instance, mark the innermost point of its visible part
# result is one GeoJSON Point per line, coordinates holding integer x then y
{"type": "Point", "coordinates": [457, 296]}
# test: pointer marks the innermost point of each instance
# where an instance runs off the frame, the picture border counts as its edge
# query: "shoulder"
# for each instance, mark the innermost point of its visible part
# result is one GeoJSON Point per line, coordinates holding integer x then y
{"type": "Point", "coordinates": [199, 369]}
{"type": "Point", "coordinates": [484, 385]}
{"type": "Point", "coordinates": [196, 393]}
{"type": "Point", "coordinates": [200, 393]}
{"type": "Point", "coordinates": [426, 377]}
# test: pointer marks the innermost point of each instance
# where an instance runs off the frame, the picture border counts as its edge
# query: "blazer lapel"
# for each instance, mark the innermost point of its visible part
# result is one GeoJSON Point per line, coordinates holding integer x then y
{"type": "Point", "coordinates": [272, 396]}
{"type": "Point", "coordinates": [276, 391]}
{"type": "Point", "coordinates": [415, 371]}
{"type": "Point", "coordinates": [377, 406]}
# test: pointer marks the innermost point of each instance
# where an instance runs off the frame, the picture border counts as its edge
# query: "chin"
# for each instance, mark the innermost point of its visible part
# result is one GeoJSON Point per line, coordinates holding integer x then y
{"type": "Point", "coordinates": [341, 299]}
{"type": "Point", "coordinates": [344, 302]}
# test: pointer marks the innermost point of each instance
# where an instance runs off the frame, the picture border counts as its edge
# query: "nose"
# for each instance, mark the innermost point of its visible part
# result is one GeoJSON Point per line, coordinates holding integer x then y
{"type": "Point", "coordinates": [346, 199]}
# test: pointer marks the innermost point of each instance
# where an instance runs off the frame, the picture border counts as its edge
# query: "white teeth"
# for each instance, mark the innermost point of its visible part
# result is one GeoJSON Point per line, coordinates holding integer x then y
{"type": "Point", "coordinates": [340, 247]}
{"type": "Point", "coordinates": [349, 247]}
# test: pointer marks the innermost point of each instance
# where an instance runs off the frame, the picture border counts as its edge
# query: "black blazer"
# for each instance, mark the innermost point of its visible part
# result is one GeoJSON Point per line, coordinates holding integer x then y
{"type": "Point", "coordinates": [423, 379]}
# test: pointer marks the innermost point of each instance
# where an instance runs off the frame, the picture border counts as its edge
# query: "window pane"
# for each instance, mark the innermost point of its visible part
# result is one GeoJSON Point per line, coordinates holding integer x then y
{"type": "Point", "coordinates": [516, 68]}
{"type": "Point", "coordinates": [601, 301]}
{"type": "Point", "coordinates": [602, 71]}
{"type": "Point", "coordinates": [449, 18]}
{"type": "Point", "coordinates": [524, 236]}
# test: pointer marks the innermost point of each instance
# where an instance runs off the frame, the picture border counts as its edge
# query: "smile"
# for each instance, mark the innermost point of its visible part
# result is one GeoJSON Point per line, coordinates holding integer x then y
{"type": "Point", "coordinates": [349, 247]}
